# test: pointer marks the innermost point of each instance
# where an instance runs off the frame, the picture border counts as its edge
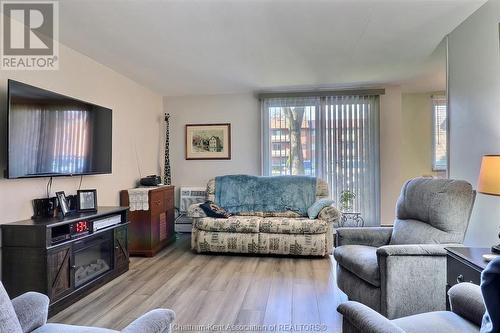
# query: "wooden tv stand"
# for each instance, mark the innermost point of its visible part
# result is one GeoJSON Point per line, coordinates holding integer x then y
{"type": "Point", "coordinates": [65, 258]}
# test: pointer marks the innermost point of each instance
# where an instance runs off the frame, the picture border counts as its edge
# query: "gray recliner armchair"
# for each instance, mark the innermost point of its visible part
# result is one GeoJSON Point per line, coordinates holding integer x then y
{"type": "Point", "coordinates": [401, 271]}
{"type": "Point", "coordinates": [28, 313]}
{"type": "Point", "coordinates": [467, 310]}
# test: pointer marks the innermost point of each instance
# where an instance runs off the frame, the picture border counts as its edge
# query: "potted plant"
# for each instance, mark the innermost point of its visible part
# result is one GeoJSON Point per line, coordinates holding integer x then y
{"type": "Point", "coordinates": [346, 200]}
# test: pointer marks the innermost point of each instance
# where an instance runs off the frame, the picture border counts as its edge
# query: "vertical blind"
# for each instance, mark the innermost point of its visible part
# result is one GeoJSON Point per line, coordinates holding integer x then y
{"type": "Point", "coordinates": [332, 137]}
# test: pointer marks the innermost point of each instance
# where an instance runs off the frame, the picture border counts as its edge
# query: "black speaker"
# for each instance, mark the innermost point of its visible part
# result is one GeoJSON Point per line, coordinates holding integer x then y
{"type": "Point", "coordinates": [43, 208]}
{"type": "Point", "coordinates": [152, 180]}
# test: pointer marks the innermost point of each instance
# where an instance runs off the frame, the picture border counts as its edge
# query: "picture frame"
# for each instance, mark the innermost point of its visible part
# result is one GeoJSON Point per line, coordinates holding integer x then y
{"type": "Point", "coordinates": [86, 201]}
{"type": "Point", "coordinates": [63, 203]}
{"type": "Point", "coordinates": [208, 141]}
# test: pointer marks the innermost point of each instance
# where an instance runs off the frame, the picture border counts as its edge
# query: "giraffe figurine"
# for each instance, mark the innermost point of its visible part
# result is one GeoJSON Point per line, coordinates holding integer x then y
{"type": "Point", "coordinates": [167, 177]}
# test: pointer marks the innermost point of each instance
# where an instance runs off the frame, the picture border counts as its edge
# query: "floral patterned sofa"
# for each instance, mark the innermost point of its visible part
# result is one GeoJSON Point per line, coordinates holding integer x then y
{"type": "Point", "coordinates": [282, 233]}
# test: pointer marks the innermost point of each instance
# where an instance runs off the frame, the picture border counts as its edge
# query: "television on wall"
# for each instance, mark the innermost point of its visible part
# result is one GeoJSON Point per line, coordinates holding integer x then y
{"type": "Point", "coordinates": [50, 134]}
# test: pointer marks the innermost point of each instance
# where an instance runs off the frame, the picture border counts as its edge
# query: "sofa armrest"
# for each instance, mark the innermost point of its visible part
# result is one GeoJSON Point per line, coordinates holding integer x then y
{"type": "Point", "coordinates": [331, 215]}
{"type": "Point", "coordinates": [195, 211]}
{"type": "Point", "coordinates": [31, 309]}
{"type": "Point", "coordinates": [411, 250]}
{"type": "Point", "coordinates": [369, 236]}
{"type": "Point", "coordinates": [155, 321]}
{"type": "Point", "coordinates": [362, 319]}
{"type": "Point", "coordinates": [466, 301]}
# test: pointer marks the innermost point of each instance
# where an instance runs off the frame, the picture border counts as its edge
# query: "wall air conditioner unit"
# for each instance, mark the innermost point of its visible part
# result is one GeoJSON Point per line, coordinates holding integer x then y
{"type": "Point", "coordinates": [189, 196]}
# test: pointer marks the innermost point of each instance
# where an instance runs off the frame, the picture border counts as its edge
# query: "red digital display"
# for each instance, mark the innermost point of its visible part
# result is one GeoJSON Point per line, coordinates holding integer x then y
{"type": "Point", "coordinates": [80, 227]}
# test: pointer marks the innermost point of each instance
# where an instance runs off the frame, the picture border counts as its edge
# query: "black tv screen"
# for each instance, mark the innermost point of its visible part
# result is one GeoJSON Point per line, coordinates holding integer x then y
{"type": "Point", "coordinates": [54, 135]}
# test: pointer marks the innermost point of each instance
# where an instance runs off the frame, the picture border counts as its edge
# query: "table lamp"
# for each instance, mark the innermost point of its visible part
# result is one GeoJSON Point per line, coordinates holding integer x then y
{"type": "Point", "coordinates": [489, 181]}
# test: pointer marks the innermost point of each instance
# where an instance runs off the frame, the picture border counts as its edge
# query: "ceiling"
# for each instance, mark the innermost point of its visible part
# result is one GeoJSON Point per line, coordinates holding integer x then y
{"type": "Point", "coordinates": [193, 47]}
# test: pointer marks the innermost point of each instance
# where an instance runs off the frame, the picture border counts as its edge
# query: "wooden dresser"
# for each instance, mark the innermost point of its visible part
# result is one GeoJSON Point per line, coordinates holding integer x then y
{"type": "Point", "coordinates": [151, 230]}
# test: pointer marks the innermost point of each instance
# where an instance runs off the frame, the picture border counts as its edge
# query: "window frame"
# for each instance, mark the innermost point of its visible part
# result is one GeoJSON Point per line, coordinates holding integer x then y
{"type": "Point", "coordinates": [436, 101]}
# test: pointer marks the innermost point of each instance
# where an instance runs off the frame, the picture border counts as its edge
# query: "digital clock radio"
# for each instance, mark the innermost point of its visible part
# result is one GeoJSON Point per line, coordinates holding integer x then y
{"type": "Point", "coordinates": [79, 228]}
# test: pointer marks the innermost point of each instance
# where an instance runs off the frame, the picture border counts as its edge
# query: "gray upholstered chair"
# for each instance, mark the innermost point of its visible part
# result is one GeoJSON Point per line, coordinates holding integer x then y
{"type": "Point", "coordinates": [28, 313]}
{"type": "Point", "coordinates": [401, 271]}
{"type": "Point", "coordinates": [467, 310]}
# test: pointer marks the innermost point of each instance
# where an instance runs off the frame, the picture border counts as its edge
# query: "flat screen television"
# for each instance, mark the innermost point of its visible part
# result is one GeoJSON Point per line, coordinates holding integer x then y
{"type": "Point", "coordinates": [50, 134]}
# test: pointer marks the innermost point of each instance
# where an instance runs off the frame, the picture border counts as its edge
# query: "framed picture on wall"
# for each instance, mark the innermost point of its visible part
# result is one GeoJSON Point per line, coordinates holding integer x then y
{"type": "Point", "coordinates": [208, 141]}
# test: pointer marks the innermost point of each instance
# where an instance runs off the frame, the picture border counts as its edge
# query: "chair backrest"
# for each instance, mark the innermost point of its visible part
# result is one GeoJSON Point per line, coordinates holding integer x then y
{"type": "Point", "coordinates": [433, 211]}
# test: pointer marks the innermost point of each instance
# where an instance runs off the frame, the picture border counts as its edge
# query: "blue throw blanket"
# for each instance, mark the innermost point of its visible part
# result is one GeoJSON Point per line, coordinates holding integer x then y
{"type": "Point", "coordinates": [243, 193]}
{"type": "Point", "coordinates": [490, 288]}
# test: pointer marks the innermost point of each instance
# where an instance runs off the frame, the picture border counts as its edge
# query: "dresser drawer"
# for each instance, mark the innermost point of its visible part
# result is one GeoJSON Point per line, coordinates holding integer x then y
{"type": "Point", "coordinates": [458, 272]}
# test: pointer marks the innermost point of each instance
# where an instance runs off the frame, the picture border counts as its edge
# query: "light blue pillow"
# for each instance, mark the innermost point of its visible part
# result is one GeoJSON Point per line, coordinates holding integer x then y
{"type": "Point", "coordinates": [314, 210]}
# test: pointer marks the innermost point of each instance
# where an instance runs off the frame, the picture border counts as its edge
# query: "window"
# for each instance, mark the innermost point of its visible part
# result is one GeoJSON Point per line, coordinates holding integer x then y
{"type": "Point", "coordinates": [439, 133]}
{"type": "Point", "coordinates": [331, 137]}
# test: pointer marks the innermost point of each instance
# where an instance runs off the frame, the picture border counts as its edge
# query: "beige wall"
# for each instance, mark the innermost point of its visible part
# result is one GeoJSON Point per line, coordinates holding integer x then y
{"type": "Point", "coordinates": [136, 121]}
{"type": "Point", "coordinates": [243, 112]}
{"type": "Point", "coordinates": [417, 135]}
{"type": "Point", "coordinates": [390, 152]}
{"type": "Point", "coordinates": [405, 144]}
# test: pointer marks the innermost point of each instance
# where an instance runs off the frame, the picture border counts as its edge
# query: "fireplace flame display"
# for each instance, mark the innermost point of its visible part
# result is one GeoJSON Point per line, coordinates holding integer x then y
{"type": "Point", "coordinates": [90, 271]}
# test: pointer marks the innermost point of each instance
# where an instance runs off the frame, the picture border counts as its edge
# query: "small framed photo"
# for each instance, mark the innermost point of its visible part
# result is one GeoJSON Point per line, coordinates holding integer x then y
{"type": "Point", "coordinates": [63, 203]}
{"type": "Point", "coordinates": [208, 141]}
{"type": "Point", "coordinates": [86, 201]}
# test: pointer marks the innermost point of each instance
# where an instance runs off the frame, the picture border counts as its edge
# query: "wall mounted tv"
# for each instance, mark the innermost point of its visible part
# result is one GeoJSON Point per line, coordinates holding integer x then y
{"type": "Point", "coordinates": [54, 135]}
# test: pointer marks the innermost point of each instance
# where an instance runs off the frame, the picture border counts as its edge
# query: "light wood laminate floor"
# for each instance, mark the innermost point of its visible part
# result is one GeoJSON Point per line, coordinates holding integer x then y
{"type": "Point", "coordinates": [217, 290]}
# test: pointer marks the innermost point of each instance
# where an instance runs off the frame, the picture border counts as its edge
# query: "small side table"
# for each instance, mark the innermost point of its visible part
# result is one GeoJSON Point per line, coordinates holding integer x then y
{"type": "Point", "coordinates": [464, 264]}
{"type": "Point", "coordinates": [351, 219]}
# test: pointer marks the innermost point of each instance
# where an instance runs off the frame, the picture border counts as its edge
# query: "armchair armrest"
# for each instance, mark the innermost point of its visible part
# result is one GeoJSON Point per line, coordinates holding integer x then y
{"type": "Point", "coordinates": [155, 321]}
{"type": "Point", "coordinates": [466, 301]}
{"type": "Point", "coordinates": [370, 236]}
{"type": "Point", "coordinates": [195, 211]}
{"type": "Point", "coordinates": [331, 215]}
{"type": "Point", "coordinates": [31, 309]}
{"type": "Point", "coordinates": [411, 250]}
{"type": "Point", "coordinates": [412, 278]}
{"type": "Point", "coordinates": [362, 319]}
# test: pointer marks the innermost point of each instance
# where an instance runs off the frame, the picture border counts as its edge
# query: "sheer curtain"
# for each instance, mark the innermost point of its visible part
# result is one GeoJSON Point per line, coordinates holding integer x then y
{"type": "Point", "coordinates": [338, 139]}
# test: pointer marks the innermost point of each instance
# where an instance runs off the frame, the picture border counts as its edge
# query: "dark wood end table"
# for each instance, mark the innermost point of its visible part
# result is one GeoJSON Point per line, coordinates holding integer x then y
{"type": "Point", "coordinates": [464, 264]}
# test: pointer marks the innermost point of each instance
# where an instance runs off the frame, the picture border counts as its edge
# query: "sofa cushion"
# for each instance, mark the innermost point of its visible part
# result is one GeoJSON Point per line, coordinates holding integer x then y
{"type": "Point", "coordinates": [245, 224]}
{"type": "Point", "coordinates": [293, 244]}
{"type": "Point", "coordinates": [287, 213]}
{"type": "Point", "coordinates": [281, 225]}
{"type": "Point", "coordinates": [62, 328]}
{"type": "Point", "coordinates": [436, 322]}
{"type": "Point", "coordinates": [235, 242]}
{"type": "Point", "coordinates": [360, 260]}
{"type": "Point", "coordinates": [212, 210]}
{"type": "Point", "coordinates": [317, 206]}
{"type": "Point", "coordinates": [8, 319]}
